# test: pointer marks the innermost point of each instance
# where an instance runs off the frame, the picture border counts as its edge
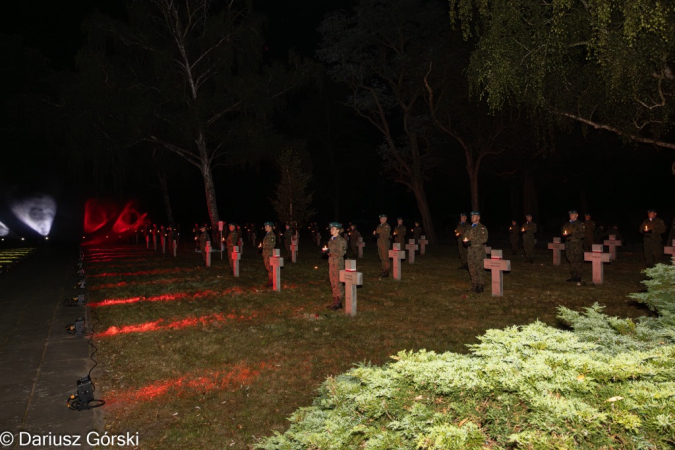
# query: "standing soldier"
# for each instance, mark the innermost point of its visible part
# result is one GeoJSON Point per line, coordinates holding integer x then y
{"type": "Point", "coordinates": [475, 238]}
{"type": "Point", "coordinates": [354, 236]}
{"type": "Point", "coordinates": [514, 237]}
{"type": "Point", "coordinates": [268, 243]}
{"type": "Point", "coordinates": [203, 237]}
{"type": "Point", "coordinates": [671, 237]}
{"type": "Point", "coordinates": [460, 233]}
{"type": "Point", "coordinates": [383, 232]}
{"type": "Point", "coordinates": [573, 233]}
{"type": "Point", "coordinates": [652, 228]}
{"type": "Point", "coordinates": [399, 232]}
{"type": "Point", "coordinates": [196, 232]}
{"type": "Point", "coordinates": [589, 233]}
{"type": "Point", "coordinates": [528, 229]}
{"type": "Point", "coordinates": [337, 247]}
{"type": "Point", "coordinates": [417, 232]}
{"type": "Point", "coordinates": [232, 240]}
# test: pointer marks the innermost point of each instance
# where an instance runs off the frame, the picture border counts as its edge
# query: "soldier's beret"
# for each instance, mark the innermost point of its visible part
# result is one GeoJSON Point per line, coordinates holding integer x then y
{"type": "Point", "coordinates": [587, 214]}
{"type": "Point", "coordinates": [399, 218]}
{"type": "Point", "coordinates": [651, 210]}
{"type": "Point", "coordinates": [382, 215]}
{"type": "Point", "coordinates": [269, 223]}
{"type": "Point", "coordinates": [528, 215]}
{"type": "Point", "coordinates": [572, 211]}
{"type": "Point", "coordinates": [475, 213]}
{"type": "Point", "coordinates": [335, 224]}
{"type": "Point", "coordinates": [233, 224]}
{"type": "Point", "coordinates": [462, 214]}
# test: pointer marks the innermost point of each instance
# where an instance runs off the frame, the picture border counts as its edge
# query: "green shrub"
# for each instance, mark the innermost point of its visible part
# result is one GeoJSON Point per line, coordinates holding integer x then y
{"type": "Point", "coordinates": [608, 383]}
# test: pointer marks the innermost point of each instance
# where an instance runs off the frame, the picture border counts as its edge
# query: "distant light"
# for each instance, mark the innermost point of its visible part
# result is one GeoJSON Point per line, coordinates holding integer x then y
{"type": "Point", "coordinates": [23, 239]}
{"type": "Point", "coordinates": [36, 212]}
{"type": "Point", "coordinates": [4, 230]}
{"type": "Point", "coordinates": [47, 238]}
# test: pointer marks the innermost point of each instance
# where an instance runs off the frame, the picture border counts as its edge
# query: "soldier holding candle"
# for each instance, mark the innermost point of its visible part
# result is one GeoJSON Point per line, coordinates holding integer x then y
{"type": "Point", "coordinates": [400, 232]}
{"type": "Point", "coordinates": [514, 237]}
{"type": "Point", "coordinates": [268, 243]}
{"type": "Point", "coordinates": [528, 230]}
{"type": "Point", "coordinates": [652, 228]}
{"type": "Point", "coordinates": [231, 241]}
{"type": "Point", "coordinates": [573, 233]}
{"type": "Point", "coordinates": [589, 227]}
{"type": "Point", "coordinates": [460, 233]}
{"type": "Point", "coordinates": [383, 232]}
{"type": "Point", "coordinates": [474, 240]}
{"type": "Point", "coordinates": [337, 247]}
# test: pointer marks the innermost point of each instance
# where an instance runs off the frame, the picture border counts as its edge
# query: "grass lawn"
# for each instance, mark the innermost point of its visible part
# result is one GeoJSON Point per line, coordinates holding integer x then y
{"type": "Point", "coordinates": [194, 358]}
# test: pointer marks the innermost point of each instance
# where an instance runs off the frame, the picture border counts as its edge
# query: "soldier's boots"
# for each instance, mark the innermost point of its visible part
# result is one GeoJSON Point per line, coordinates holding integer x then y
{"type": "Point", "coordinates": [337, 304]}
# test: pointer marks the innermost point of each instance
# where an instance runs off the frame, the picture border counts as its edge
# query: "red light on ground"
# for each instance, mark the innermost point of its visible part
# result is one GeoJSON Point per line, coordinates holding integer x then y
{"type": "Point", "coordinates": [175, 325]}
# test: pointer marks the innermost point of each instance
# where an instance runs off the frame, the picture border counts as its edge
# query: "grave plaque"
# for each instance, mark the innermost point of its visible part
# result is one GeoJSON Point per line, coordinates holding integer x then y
{"type": "Point", "coordinates": [597, 257]}
{"type": "Point", "coordinates": [497, 266]}
{"type": "Point", "coordinates": [351, 278]}
{"type": "Point", "coordinates": [397, 254]}
{"type": "Point", "coordinates": [557, 247]}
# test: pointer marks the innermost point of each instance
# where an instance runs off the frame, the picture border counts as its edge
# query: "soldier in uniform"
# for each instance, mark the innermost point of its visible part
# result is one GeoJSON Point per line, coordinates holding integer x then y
{"type": "Point", "coordinates": [196, 232]}
{"type": "Point", "coordinates": [268, 243]}
{"type": "Point", "coordinates": [354, 236]}
{"type": "Point", "coordinates": [474, 239]}
{"type": "Point", "coordinates": [231, 241]}
{"type": "Point", "coordinates": [573, 232]}
{"type": "Point", "coordinates": [337, 247]}
{"type": "Point", "coordinates": [528, 230]}
{"type": "Point", "coordinates": [383, 232]}
{"type": "Point", "coordinates": [652, 228]}
{"type": "Point", "coordinates": [400, 232]}
{"type": "Point", "coordinates": [417, 232]}
{"type": "Point", "coordinates": [460, 233]}
{"type": "Point", "coordinates": [589, 233]}
{"type": "Point", "coordinates": [203, 237]}
{"type": "Point", "coordinates": [671, 236]}
{"type": "Point", "coordinates": [514, 237]}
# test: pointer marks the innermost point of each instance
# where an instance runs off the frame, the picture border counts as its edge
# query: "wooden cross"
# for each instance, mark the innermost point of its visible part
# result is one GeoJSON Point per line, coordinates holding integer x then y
{"type": "Point", "coordinates": [423, 243]}
{"type": "Point", "coordinates": [411, 247]}
{"type": "Point", "coordinates": [175, 248]}
{"type": "Point", "coordinates": [236, 256]}
{"type": "Point", "coordinates": [277, 262]}
{"type": "Point", "coordinates": [207, 250]}
{"type": "Point", "coordinates": [597, 257]}
{"type": "Point", "coordinates": [398, 255]}
{"type": "Point", "coordinates": [351, 278]}
{"type": "Point", "coordinates": [294, 248]}
{"type": "Point", "coordinates": [163, 245]}
{"type": "Point", "coordinates": [557, 247]}
{"type": "Point", "coordinates": [497, 266]}
{"type": "Point", "coordinates": [360, 244]}
{"type": "Point", "coordinates": [670, 251]}
{"type": "Point", "coordinates": [612, 243]}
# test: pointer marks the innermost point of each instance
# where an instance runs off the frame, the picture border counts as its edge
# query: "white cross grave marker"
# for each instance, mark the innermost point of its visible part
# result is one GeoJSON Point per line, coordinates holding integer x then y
{"type": "Point", "coordinates": [398, 255]}
{"type": "Point", "coordinates": [207, 250]}
{"type": "Point", "coordinates": [240, 243]}
{"type": "Point", "coordinates": [612, 243]}
{"type": "Point", "coordinates": [175, 248]}
{"type": "Point", "coordinates": [360, 244]}
{"type": "Point", "coordinates": [597, 257]}
{"type": "Point", "coordinates": [411, 247]}
{"type": "Point", "coordinates": [497, 266]}
{"type": "Point", "coordinates": [557, 247]}
{"type": "Point", "coordinates": [351, 278]}
{"type": "Point", "coordinates": [294, 248]}
{"type": "Point", "coordinates": [236, 256]}
{"type": "Point", "coordinates": [277, 262]}
{"type": "Point", "coordinates": [670, 251]}
{"type": "Point", "coordinates": [423, 243]}
{"type": "Point", "coordinates": [163, 245]}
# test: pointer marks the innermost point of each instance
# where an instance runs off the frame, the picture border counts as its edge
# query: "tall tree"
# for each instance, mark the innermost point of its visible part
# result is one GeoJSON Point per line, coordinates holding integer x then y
{"type": "Point", "coordinates": [185, 76]}
{"type": "Point", "coordinates": [605, 63]}
{"type": "Point", "coordinates": [379, 50]}
{"type": "Point", "coordinates": [293, 201]}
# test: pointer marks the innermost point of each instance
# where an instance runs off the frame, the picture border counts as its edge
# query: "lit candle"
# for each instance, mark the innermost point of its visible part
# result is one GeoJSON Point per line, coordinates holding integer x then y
{"type": "Point", "coordinates": [466, 239]}
{"type": "Point", "coordinates": [565, 233]}
{"type": "Point", "coordinates": [645, 227]}
{"type": "Point", "coordinates": [522, 229]}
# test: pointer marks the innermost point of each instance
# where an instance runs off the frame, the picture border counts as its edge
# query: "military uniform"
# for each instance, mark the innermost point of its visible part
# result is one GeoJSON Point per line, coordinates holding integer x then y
{"type": "Point", "coordinates": [268, 244]}
{"type": "Point", "coordinates": [203, 237]}
{"type": "Point", "coordinates": [383, 233]}
{"type": "Point", "coordinates": [231, 241]}
{"type": "Point", "coordinates": [337, 247]}
{"type": "Point", "coordinates": [354, 236]}
{"type": "Point", "coordinates": [589, 233]}
{"type": "Point", "coordinates": [528, 230]}
{"type": "Point", "coordinates": [574, 231]}
{"type": "Point", "coordinates": [477, 235]}
{"type": "Point", "coordinates": [417, 233]}
{"type": "Point", "coordinates": [514, 237]}
{"type": "Point", "coordinates": [460, 233]}
{"type": "Point", "coordinates": [399, 234]}
{"type": "Point", "coordinates": [652, 229]}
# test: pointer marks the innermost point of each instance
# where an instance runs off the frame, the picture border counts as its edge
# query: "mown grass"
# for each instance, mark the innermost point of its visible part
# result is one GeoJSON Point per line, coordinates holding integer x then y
{"type": "Point", "coordinates": [257, 355]}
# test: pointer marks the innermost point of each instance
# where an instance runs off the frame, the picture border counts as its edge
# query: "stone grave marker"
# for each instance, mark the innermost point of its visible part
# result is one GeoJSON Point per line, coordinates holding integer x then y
{"type": "Point", "coordinates": [147, 241]}
{"type": "Point", "coordinates": [294, 248]}
{"type": "Point", "coordinates": [612, 243]}
{"type": "Point", "coordinates": [411, 247]}
{"type": "Point", "coordinates": [208, 253]}
{"type": "Point", "coordinates": [351, 278]}
{"type": "Point", "coordinates": [670, 250]}
{"type": "Point", "coordinates": [175, 248]}
{"type": "Point", "coordinates": [597, 257]}
{"type": "Point", "coordinates": [397, 254]}
{"type": "Point", "coordinates": [236, 256]}
{"type": "Point", "coordinates": [163, 245]}
{"type": "Point", "coordinates": [277, 262]}
{"type": "Point", "coordinates": [240, 243]}
{"type": "Point", "coordinates": [497, 266]}
{"type": "Point", "coordinates": [360, 244]}
{"type": "Point", "coordinates": [557, 247]}
{"type": "Point", "coordinates": [423, 243]}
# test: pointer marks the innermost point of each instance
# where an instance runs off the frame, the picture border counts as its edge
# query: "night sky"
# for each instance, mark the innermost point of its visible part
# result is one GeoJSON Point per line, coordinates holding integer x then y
{"type": "Point", "coordinates": [589, 170]}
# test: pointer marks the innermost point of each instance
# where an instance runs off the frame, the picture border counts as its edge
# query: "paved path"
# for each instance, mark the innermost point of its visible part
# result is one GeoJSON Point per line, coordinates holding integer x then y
{"type": "Point", "coordinates": [40, 362]}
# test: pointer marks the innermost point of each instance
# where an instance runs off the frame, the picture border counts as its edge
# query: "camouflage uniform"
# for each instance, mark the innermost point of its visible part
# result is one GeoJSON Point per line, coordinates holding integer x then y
{"type": "Point", "coordinates": [652, 239]}
{"type": "Point", "coordinates": [203, 237]}
{"type": "Point", "coordinates": [337, 247]}
{"type": "Point", "coordinates": [514, 237]}
{"type": "Point", "coordinates": [460, 233]}
{"type": "Point", "coordinates": [477, 234]}
{"type": "Point", "coordinates": [268, 243]}
{"type": "Point", "coordinates": [528, 229]}
{"type": "Point", "coordinates": [399, 235]}
{"type": "Point", "coordinates": [574, 233]}
{"type": "Point", "coordinates": [589, 234]}
{"type": "Point", "coordinates": [231, 241]}
{"type": "Point", "coordinates": [383, 232]}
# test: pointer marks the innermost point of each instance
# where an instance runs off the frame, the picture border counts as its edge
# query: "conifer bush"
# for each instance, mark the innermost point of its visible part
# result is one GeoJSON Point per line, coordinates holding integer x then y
{"type": "Point", "coordinates": [607, 383]}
